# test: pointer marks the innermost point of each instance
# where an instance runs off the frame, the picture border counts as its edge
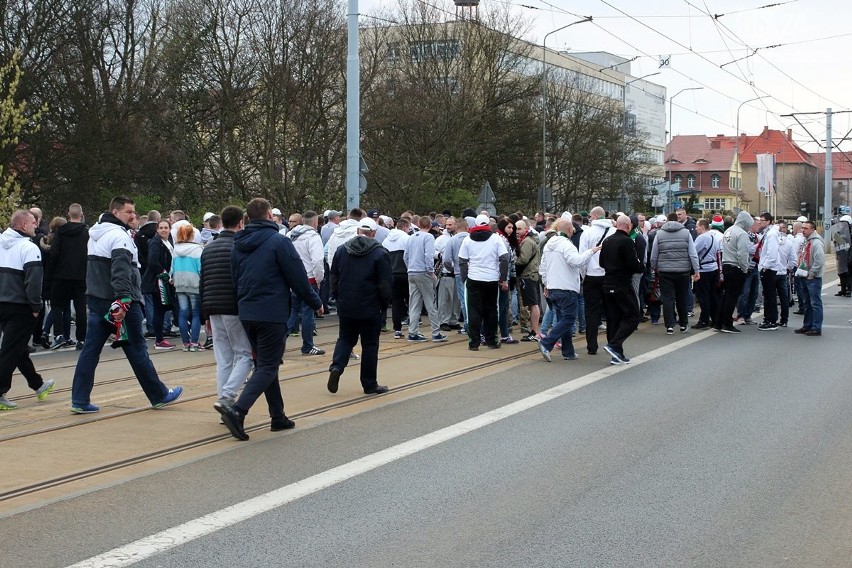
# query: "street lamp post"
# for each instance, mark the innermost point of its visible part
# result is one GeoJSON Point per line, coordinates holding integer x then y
{"type": "Point", "coordinates": [623, 200]}
{"type": "Point", "coordinates": [671, 134]}
{"type": "Point", "coordinates": [737, 151]}
{"type": "Point", "coordinates": [544, 99]}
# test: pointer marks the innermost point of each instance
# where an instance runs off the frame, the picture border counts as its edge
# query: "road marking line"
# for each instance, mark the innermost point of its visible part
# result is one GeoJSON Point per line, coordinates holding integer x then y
{"type": "Point", "coordinates": [191, 530]}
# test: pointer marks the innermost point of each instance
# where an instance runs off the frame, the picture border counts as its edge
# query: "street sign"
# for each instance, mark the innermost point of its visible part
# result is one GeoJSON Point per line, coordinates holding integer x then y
{"type": "Point", "coordinates": [486, 195]}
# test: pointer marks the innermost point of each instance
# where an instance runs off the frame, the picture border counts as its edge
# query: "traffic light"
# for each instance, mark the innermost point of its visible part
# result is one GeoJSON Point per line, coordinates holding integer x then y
{"type": "Point", "coordinates": [804, 206]}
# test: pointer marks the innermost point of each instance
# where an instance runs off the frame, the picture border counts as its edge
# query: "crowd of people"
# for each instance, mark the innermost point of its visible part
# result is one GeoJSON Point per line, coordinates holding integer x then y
{"type": "Point", "coordinates": [251, 278]}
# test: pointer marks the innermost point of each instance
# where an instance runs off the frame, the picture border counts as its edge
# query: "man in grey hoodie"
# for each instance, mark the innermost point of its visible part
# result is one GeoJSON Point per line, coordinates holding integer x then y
{"type": "Point", "coordinates": [735, 263]}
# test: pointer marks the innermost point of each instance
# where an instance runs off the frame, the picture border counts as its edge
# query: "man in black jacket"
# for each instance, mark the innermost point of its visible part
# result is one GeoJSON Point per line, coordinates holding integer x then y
{"type": "Point", "coordinates": [619, 261]}
{"type": "Point", "coordinates": [265, 268]}
{"type": "Point", "coordinates": [143, 236]}
{"type": "Point", "coordinates": [219, 304]}
{"type": "Point", "coordinates": [361, 279]}
{"type": "Point", "coordinates": [69, 254]}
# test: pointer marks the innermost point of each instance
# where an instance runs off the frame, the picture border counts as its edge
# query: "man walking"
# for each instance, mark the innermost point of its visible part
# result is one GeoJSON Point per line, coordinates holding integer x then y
{"type": "Point", "coordinates": [395, 244]}
{"type": "Point", "coordinates": [265, 268]}
{"type": "Point", "coordinates": [113, 286]}
{"type": "Point", "coordinates": [620, 262]}
{"type": "Point", "coordinates": [448, 300]}
{"type": "Point", "coordinates": [20, 302]}
{"type": "Point", "coordinates": [560, 273]}
{"type": "Point", "coordinates": [593, 236]}
{"type": "Point", "coordinates": [527, 264]}
{"type": "Point", "coordinates": [361, 280]}
{"type": "Point", "coordinates": [231, 346]}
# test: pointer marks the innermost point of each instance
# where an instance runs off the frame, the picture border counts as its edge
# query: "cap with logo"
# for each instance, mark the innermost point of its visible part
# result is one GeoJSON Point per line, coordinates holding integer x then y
{"type": "Point", "coordinates": [373, 213]}
{"type": "Point", "coordinates": [482, 220]}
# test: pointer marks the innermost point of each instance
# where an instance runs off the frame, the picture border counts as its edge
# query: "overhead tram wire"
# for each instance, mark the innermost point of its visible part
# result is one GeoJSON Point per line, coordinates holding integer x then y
{"type": "Point", "coordinates": [717, 16]}
{"type": "Point", "coordinates": [696, 81]}
{"type": "Point", "coordinates": [656, 31]}
{"type": "Point", "coordinates": [743, 42]}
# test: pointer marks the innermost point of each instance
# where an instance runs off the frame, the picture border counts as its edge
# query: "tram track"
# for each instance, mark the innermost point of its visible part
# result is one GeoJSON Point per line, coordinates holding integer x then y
{"type": "Point", "coordinates": [176, 449]}
{"type": "Point", "coordinates": [91, 418]}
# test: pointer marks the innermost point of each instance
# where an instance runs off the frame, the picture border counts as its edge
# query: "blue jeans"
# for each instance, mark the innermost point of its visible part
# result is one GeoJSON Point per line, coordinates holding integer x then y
{"type": "Point", "coordinates": [135, 350]}
{"type": "Point", "coordinates": [549, 318]}
{"type": "Point", "coordinates": [460, 296]}
{"type": "Point", "coordinates": [190, 307]}
{"type": "Point", "coordinates": [748, 297]}
{"type": "Point", "coordinates": [308, 316]}
{"type": "Point", "coordinates": [148, 310]}
{"type": "Point", "coordinates": [811, 302]}
{"type": "Point", "coordinates": [564, 303]}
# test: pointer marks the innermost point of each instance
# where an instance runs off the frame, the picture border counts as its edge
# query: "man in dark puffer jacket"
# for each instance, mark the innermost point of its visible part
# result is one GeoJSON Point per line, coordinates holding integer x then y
{"type": "Point", "coordinates": [219, 304]}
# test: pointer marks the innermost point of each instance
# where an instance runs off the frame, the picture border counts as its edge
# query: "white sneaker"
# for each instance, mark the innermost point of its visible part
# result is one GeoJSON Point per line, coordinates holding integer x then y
{"type": "Point", "coordinates": [6, 404]}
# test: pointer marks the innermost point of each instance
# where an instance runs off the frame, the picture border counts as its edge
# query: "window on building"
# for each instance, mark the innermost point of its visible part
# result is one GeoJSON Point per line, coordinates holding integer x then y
{"type": "Point", "coordinates": [715, 181]}
{"type": "Point", "coordinates": [715, 204]}
{"type": "Point", "coordinates": [678, 180]}
{"type": "Point", "coordinates": [690, 181]}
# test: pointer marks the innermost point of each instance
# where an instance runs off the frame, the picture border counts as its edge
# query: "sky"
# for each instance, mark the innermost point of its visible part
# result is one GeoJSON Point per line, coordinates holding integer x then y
{"type": "Point", "coordinates": [802, 63]}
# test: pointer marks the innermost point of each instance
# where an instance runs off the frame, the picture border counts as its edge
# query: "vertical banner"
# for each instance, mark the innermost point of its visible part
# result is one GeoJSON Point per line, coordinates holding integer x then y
{"type": "Point", "coordinates": [766, 174]}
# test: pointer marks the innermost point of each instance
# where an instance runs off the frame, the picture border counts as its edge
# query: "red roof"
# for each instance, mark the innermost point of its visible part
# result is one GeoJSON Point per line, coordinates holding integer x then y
{"type": "Point", "coordinates": [698, 152]}
{"type": "Point", "coordinates": [772, 142]}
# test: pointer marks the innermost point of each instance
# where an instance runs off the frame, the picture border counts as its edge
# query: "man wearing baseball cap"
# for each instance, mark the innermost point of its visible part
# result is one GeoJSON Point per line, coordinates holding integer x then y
{"type": "Point", "coordinates": [361, 280]}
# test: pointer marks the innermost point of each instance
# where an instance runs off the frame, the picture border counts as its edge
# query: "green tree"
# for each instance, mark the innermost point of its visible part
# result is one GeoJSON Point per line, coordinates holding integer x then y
{"type": "Point", "coordinates": [16, 120]}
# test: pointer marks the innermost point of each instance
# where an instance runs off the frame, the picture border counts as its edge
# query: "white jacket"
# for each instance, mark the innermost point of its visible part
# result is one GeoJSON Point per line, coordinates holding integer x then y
{"type": "Point", "coordinates": [561, 264]}
{"type": "Point", "coordinates": [589, 239]}
{"type": "Point", "coordinates": [308, 244]}
{"type": "Point", "coordinates": [342, 233]}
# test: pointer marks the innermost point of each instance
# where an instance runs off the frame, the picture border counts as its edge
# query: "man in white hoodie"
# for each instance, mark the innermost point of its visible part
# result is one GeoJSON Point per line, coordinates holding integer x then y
{"type": "Point", "coordinates": [308, 244]}
{"type": "Point", "coordinates": [593, 236]}
{"type": "Point", "coordinates": [560, 268]}
{"type": "Point", "coordinates": [20, 303]}
{"type": "Point", "coordinates": [342, 233]}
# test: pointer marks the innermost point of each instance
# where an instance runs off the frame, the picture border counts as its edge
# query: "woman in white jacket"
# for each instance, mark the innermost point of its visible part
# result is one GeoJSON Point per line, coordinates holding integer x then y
{"type": "Point", "coordinates": [186, 275]}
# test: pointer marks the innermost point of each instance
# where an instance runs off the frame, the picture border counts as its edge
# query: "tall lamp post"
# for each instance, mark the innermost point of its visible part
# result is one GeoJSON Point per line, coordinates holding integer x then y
{"type": "Point", "coordinates": [671, 134]}
{"type": "Point", "coordinates": [623, 200]}
{"type": "Point", "coordinates": [737, 151]}
{"type": "Point", "coordinates": [544, 99]}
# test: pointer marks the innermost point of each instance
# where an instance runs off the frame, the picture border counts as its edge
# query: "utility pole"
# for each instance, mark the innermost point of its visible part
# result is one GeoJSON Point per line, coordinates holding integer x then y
{"type": "Point", "coordinates": [353, 111]}
{"type": "Point", "coordinates": [829, 170]}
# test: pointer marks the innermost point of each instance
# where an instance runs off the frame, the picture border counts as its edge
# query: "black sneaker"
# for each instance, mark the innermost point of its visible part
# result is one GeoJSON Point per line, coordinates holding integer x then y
{"type": "Point", "coordinates": [701, 325]}
{"type": "Point", "coordinates": [282, 424]}
{"type": "Point", "coordinates": [730, 329]}
{"type": "Point", "coordinates": [767, 326]}
{"type": "Point", "coordinates": [208, 343]}
{"type": "Point", "coordinates": [233, 419]}
{"type": "Point", "coordinates": [669, 331]}
{"type": "Point", "coordinates": [333, 379]}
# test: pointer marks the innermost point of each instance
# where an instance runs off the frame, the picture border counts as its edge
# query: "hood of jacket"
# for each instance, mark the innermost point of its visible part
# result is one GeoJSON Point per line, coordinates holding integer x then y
{"type": "Point", "coordinates": [188, 249]}
{"type": "Point", "coordinates": [395, 235]}
{"type": "Point", "coordinates": [108, 224]}
{"type": "Point", "coordinates": [255, 234]}
{"type": "Point", "coordinates": [672, 226]}
{"type": "Point", "coordinates": [744, 220]}
{"type": "Point", "coordinates": [75, 229]}
{"type": "Point", "coordinates": [11, 238]}
{"type": "Point", "coordinates": [300, 231]}
{"type": "Point", "coordinates": [480, 234]}
{"type": "Point", "coordinates": [346, 229]}
{"type": "Point", "coordinates": [361, 245]}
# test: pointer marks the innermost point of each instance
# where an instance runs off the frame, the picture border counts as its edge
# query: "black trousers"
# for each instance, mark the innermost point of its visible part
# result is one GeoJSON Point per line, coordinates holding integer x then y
{"type": "Point", "coordinates": [622, 315]}
{"type": "Point", "coordinates": [707, 293]}
{"type": "Point", "coordinates": [399, 300]}
{"type": "Point", "coordinates": [594, 300]}
{"type": "Point", "coordinates": [481, 306]}
{"type": "Point", "coordinates": [734, 279]}
{"type": "Point", "coordinates": [16, 324]}
{"type": "Point", "coordinates": [267, 343]}
{"type": "Point", "coordinates": [63, 292]}
{"type": "Point", "coordinates": [368, 330]}
{"type": "Point", "coordinates": [674, 289]}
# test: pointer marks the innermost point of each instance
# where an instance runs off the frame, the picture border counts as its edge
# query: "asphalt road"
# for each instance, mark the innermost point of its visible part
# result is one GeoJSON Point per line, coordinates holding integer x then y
{"type": "Point", "coordinates": [716, 450]}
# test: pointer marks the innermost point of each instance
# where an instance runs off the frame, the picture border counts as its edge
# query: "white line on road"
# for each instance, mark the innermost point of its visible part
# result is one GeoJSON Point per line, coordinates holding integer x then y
{"type": "Point", "coordinates": [176, 536]}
